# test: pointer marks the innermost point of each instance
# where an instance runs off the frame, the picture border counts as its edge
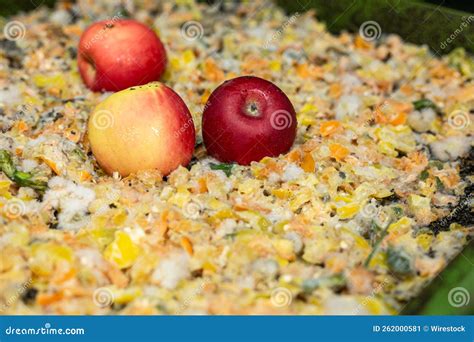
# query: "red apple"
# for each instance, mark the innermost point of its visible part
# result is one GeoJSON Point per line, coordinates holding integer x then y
{"type": "Point", "coordinates": [141, 128]}
{"type": "Point", "coordinates": [248, 118]}
{"type": "Point", "coordinates": [116, 54]}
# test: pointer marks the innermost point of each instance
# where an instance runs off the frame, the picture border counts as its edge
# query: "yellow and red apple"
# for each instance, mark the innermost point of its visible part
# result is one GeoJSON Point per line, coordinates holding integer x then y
{"type": "Point", "coordinates": [119, 53]}
{"type": "Point", "coordinates": [140, 128]}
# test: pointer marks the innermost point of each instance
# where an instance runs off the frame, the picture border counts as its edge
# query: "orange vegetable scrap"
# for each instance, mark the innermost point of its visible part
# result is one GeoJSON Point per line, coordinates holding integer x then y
{"type": "Point", "coordinates": [187, 245]}
{"type": "Point", "coordinates": [329, 127]}
{"type": "Point", "coordinates": [392, 112]}
{"type": "Point", "coordinates": [338, 151]}
{"type": "Point", "coordinates": [308, 163]}
{"type": "Point", "coordinates": [213, 72]}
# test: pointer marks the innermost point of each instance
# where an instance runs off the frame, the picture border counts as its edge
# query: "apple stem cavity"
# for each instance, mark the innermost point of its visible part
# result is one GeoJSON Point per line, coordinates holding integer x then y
{"type": "Point", "coordinates": [252, 109]}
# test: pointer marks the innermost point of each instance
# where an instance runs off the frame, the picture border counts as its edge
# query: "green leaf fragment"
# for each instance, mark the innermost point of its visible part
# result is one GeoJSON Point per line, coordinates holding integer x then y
{"type": "Point", "coordinates": [377, 244]}
{"type": "Point", "coordinates": [334, 282]}
{"type": "Point", "coordinates": [463, 62]}
{"type": "Point", "coordinates": [398, 211]}
{"type": "Point", "coordinates": [424, 175]}
{"type": "Point", "coordinates": [424, 103]}
{"type": "Point", "coordinates": [399, 262]}
{"type": "Point", "coordinates": [22, 179]}
{"type": "Point", "coordinates": [437, 163]}
{"type": "Point", "coordinates": [227, 168]}
{"type": "Point", "coordinates": [80, 154]}
{"type": "Point", "coordinates": [439, 184]}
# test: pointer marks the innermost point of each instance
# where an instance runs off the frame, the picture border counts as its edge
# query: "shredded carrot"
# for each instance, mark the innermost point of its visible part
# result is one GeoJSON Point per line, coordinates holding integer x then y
{"type": "Point", "coordinates": [294, 156]}
{"type": "Point", "coordinates": [379, 116]}
{"type": "Point", "coordinates": [329, 127]}
{"type": "Point", "coordinates": [398, 119]}
{"type": "Point", "coordinates": [49, 298]}
{"type": "Point", "coordinates": [85, 176]}
{"type": "Point", "coordinates": [117, 277]}
{"type": "Point", "coordinates": [61, 278]}
{"type": "Point", "coordinates": [73, 135]}
{"type": "Point", "coordinates": [308, 163]}
{"type": "Point", "coordinates": [52, 165]}
{"type": "Point", "coordinates": [466, 94]}
{"type": "Point", "coordinates": [361, 43]}
{"type": "Point", "coordinates": [213, 72]}
{"type": "Point", "coordinates": [335, 263]}
{"type": "Point", "coordinates": [442, 71]}
{"type": "Point", "coordinates": [400, 106]}
{"type": "Point", "coordinates": [205, 96]}
{"type": "Point", "coordinates": [309, 71]}
{"type": "Point", "coordinates": [338, 151]}
{"type": "Point", "coordinates": [251, 63]}
{"type": "Point", "coordinates": [22, 126]}
{"type": "Point", "coordinates": [392, 112]}
{"type": "Point", "coordinates": [335, 90]}
{"type": "Point", "coordinates": [163, 224]}
{"type": "Point", "coordinates": [202, 185]}
{"type": "Point", "coordinates": [407, 89]}
{"type": "Point", "coordinates": [54, 91]}
{"type": "Point", "coordinates": [187, 245]}
{"type": "Point", "coordinates": [75, 30]}
{"type": "Point", "coordinates": [230, 75]}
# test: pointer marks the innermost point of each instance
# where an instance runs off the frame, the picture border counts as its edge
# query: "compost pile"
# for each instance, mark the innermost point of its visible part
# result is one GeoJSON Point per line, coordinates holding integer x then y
{"type": "Point", "coordinates": [354, 219]}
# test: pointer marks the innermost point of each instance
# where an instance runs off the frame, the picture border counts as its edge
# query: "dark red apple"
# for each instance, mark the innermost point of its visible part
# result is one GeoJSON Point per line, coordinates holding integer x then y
{"type": "Point", "coordinates": [248, 118]}
{"type": "Point", "coordinates": [119, 53]}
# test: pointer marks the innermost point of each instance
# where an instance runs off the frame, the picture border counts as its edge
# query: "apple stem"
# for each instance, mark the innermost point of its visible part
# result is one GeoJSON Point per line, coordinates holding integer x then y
{"type": "Point", "coordinates": [252, 109]}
